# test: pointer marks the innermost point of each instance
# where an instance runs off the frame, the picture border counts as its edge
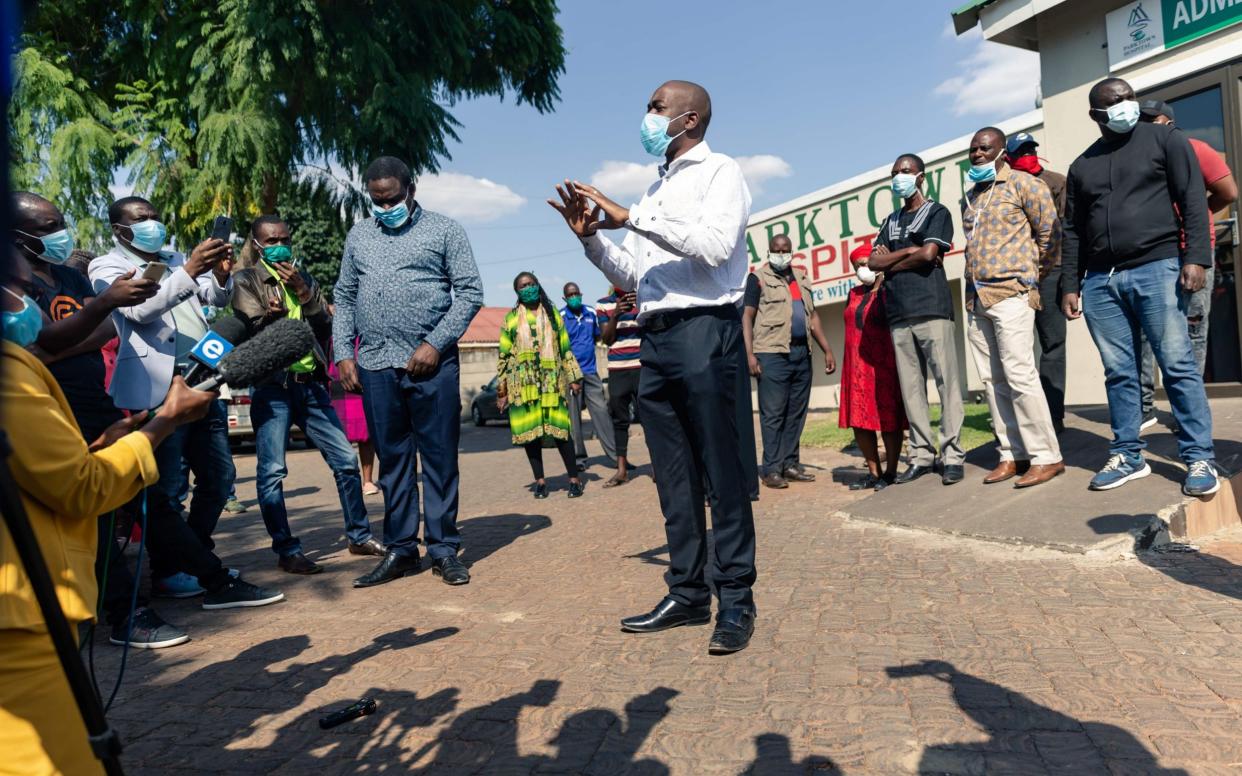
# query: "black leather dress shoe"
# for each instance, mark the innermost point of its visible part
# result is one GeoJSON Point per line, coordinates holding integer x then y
{"type": "Point", "coordinates": [297, 563]}
{"type": "Point", "coordinates": [451, 570]}
{"type": "Point", "coordinates": [953, 474]}
{"type": "Point", "coordinates": [371, 546]}
{"type": "Point", "coordinates": [868, 482]}
{"type": "Point", "coordinates": [575, 489]}
{"type": "Point", "coordinates": [733, 631]}
{"type": "Point", "coordinates": [669, 614]}
{"type": "Point", "coordinates": [541, 490]}
{"type": "Point", "coordinates": [911, 474]}
{"type": "Point", "coordinates": [393, 566]}
{"type": "Point", "coordinates": [794, 474]}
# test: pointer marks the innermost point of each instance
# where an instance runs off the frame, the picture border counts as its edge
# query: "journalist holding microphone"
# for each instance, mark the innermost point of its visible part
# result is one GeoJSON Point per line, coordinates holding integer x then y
{"type": "Point", "coordinates": [156, 339]}
{"type": "Point", "coordinates": [64, 486]}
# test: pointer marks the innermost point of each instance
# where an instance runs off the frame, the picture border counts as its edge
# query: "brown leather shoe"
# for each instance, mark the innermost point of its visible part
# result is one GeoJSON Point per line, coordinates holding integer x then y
{"type": "Point", "coordinates": [1040, 472]}
{"type": "Point", "coordinates": [371, 546]}
{"type": "Point", "coordinates": [774, 481]}
{"type": "Point", "coordinates": [1006, 469]}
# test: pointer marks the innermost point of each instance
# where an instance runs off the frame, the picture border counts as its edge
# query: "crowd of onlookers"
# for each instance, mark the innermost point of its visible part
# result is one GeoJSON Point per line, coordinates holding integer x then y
{"type": "Point", "coordinates": [1036, 243]}
{"type": "Point", "coordinates": [1131, 252]}
{"type": "Point", "coordinates": [104, 425]}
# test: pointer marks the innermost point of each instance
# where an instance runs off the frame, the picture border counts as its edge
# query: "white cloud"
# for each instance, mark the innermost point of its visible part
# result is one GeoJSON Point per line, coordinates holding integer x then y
{"type": "Point", "coordinates": [630, 179]}
{"type": "Point", "coordinates": [995, 80]}
{"type": "Point", "coordinates": [624, 179]}
{"type": "Point", "coordinates": [467, 198]}
{"type": "Point", "coordinates": [762, 167]}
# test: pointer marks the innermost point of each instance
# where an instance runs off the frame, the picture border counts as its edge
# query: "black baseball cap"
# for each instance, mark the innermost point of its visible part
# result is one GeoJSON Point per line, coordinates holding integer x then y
{"type": "Point", "coordinates": [1153, 108]}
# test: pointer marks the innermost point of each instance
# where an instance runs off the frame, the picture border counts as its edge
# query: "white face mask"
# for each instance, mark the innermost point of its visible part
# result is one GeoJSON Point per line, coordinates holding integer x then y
{"type": "Point", "coordinates": [864, 274]}
{"type": "Point", "coordinates": [780, 261]}
{"type": "Point", "coordinates": [1123, 116]}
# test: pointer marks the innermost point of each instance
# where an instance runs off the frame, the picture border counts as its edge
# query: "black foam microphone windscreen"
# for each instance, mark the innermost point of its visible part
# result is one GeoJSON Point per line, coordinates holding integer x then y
{"type": "Point", "coordinates": [264, 355]}
{"type": "Point", "coordinates": [232, 329]}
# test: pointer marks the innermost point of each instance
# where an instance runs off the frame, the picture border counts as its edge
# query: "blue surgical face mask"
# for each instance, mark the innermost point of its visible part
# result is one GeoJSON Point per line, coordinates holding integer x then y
{"type": "Point", "coordinates": [905, 184]}
{"type": "Point", "coordinates": [982, 173]}
{"type": "Point", "coordinates": [394, 217]}
{"type": "Point", "coordinates": [148, 236]}
{"type": "Point", "coordinates": [22, 328]}
{"type": "Point", "coordinates": [1123, 116]}
{"type": "Point", "coordinates": [56, 246]}
{"type": "Point", "coordinates": [654, 133]}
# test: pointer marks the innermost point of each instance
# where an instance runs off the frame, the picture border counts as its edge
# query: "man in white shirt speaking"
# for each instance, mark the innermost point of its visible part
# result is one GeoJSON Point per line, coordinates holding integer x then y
{"type": "Point", "coordinates": [685, 252]}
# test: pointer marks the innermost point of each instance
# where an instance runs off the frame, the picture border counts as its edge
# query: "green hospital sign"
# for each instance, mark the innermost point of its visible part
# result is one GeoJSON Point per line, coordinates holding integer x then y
{"type": "Point", "coordinates": [1143, 29]}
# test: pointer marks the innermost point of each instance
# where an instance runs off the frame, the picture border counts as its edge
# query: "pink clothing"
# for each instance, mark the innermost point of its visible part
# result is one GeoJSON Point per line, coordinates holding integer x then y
{"type": "Point", "coordinates": [109, 358]}
{"type": "Point", "coordinates": [348, 408]}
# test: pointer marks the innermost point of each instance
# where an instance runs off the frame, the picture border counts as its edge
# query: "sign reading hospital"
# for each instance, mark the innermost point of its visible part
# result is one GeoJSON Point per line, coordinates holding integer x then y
{"type": "Point", "coordinates": [1143, 29]}
{"type": "Point", "coordinates": [827, 230]}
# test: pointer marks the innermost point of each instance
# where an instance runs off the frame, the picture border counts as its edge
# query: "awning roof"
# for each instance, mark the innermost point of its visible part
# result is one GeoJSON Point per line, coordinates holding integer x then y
{"type": "Point", "coordinates": [967, 16]}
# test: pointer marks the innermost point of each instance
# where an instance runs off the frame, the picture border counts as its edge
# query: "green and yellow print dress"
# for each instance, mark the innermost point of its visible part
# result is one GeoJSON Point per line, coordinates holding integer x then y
{"type": "Point", "coordinates": [535, 371]}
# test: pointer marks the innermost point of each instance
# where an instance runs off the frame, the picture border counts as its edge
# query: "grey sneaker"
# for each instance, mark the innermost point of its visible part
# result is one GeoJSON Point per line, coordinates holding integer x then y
{"type": "Point", "coordinates": [147, 630]}
{"type": "Point", "coordinates": [234, 507]}
{"type": "Point", "coordinates": [239, 593]}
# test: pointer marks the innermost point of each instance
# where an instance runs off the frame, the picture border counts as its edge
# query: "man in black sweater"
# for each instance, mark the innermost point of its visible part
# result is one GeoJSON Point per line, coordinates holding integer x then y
{"type": "Point", "coordinates": [1127, 198]}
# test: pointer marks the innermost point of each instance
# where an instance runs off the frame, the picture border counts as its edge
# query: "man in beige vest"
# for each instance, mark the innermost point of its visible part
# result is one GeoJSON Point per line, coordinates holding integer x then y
{"type": "Point", "coordinates": [777, 318]}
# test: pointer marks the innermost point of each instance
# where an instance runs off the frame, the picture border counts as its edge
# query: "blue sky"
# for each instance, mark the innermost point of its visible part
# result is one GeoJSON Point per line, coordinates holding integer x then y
{"type": "Point", "coordinates": [810, 92]}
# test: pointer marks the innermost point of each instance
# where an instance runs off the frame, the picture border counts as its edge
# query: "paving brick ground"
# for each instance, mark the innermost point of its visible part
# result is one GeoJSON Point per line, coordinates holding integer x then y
{"type": "Point", "coordinates": [877, 651]}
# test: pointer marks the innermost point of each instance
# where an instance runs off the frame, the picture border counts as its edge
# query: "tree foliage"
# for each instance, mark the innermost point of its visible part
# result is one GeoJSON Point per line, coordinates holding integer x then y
{"type": "Point", "coordinates": [222, 105]}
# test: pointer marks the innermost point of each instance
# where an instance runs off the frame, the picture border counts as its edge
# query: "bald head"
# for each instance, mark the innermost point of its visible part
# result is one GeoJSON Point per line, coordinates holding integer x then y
{"type": "Point", "coordinates": [1109, 92]}
{"type": "Point", "coordinates": [35, 215]}
{"type": "Point", "coordinates": [688, 96]}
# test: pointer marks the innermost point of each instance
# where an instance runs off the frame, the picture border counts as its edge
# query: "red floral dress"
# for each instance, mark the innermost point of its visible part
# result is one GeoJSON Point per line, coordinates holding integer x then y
{"type": "Point", "coordinates": [870, 393]}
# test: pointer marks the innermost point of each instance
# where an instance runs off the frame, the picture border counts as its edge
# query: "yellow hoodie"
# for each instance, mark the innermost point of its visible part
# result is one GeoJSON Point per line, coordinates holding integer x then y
{"type": "Point", "coordinates": [64, 487]}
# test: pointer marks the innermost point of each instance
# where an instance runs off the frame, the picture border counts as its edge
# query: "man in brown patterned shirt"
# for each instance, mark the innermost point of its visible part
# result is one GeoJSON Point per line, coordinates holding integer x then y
{"type": "Point", "coordinates": [1012, 231]}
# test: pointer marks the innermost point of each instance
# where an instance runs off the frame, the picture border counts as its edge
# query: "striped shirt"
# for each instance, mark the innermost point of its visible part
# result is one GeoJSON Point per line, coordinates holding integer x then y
{"type": "Point", "coordinates": [624, 353]}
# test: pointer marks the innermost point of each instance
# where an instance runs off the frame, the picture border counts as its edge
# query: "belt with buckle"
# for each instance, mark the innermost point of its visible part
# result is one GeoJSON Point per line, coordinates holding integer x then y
{"type": "Point", "coordinates": [667, 319]}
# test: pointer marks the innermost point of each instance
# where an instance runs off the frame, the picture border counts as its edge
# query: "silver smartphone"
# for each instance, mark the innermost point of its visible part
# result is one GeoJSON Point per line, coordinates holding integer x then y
{"type": "Point", "coordinates": [155, 271]}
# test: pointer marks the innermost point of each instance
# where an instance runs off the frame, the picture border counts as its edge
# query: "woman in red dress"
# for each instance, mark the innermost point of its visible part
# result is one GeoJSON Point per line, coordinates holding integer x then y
{"type": "Point", "coordinates": [870, 393]}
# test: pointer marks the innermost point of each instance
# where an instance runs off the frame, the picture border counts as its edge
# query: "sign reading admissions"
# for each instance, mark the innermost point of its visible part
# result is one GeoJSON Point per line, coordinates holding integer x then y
{"type": "Point", "coordinates": [1143, 29]}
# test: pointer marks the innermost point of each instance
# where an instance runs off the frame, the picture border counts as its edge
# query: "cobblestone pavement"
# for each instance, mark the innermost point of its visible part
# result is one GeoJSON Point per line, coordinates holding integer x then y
{"type": "Point", "coordinates": [877, 651]}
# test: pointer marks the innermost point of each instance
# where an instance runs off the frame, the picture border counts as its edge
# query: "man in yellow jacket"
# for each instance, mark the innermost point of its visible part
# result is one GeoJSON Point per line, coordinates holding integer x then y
{"type": "Point", "coordinates": [64, 486]}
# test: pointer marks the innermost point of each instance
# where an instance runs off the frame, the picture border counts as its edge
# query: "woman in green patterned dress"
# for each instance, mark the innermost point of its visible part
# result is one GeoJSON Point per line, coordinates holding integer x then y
{"type": "Point", "coordinates": [536, 369]}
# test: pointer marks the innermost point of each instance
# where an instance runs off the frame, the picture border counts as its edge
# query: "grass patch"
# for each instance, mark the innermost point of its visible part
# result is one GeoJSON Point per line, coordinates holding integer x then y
{"type": "Point", "coordinates": [976, 429]}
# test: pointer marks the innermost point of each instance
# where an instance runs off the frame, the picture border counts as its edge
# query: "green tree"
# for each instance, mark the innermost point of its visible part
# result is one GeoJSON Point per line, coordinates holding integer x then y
{"type": "Point", "coordinates": [314, 216]}
{"type": "Point", "coordinates": [219, 105]}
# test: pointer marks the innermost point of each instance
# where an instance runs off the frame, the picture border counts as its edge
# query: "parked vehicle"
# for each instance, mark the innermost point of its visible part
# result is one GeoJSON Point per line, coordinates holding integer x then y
{"type": "Point", "coordinates": [238, 404]}
{"type": "Point", "coordinates": [483, 405]}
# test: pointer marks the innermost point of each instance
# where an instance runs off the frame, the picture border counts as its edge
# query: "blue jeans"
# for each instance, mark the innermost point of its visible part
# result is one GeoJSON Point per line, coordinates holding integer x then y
{"type": "Point", "coordinates": [1147, 299]}
{"type": "Point", "coordinates": [274, 408]}
{"type": "Point", "coordinates": [178, 545]}
{"type": "Point", "coordinates": [417, 419]}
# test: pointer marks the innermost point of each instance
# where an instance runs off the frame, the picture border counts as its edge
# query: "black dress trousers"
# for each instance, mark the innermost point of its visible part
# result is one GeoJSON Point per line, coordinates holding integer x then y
{"type": "Point", "coordinates": [687, 399]}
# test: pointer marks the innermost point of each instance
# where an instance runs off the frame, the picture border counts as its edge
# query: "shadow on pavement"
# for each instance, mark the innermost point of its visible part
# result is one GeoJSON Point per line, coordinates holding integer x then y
{"type": "Point", "coordinates": [253, 692]}
{"type": "Point", "coordinates": [656, 556]}
{"type": "Point", "coordinates": [485, 739]}
{"type": "Point", "coordinates": [775, 758]}
{"type": "Point", "coordinates": [1197, 569]}
{"type": "Point", "coordinates": [1026, 736]}
{"type": "Point", "coordinates": [482, 536]}
{"type": "Point", "coordinates": [1120, 523]}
